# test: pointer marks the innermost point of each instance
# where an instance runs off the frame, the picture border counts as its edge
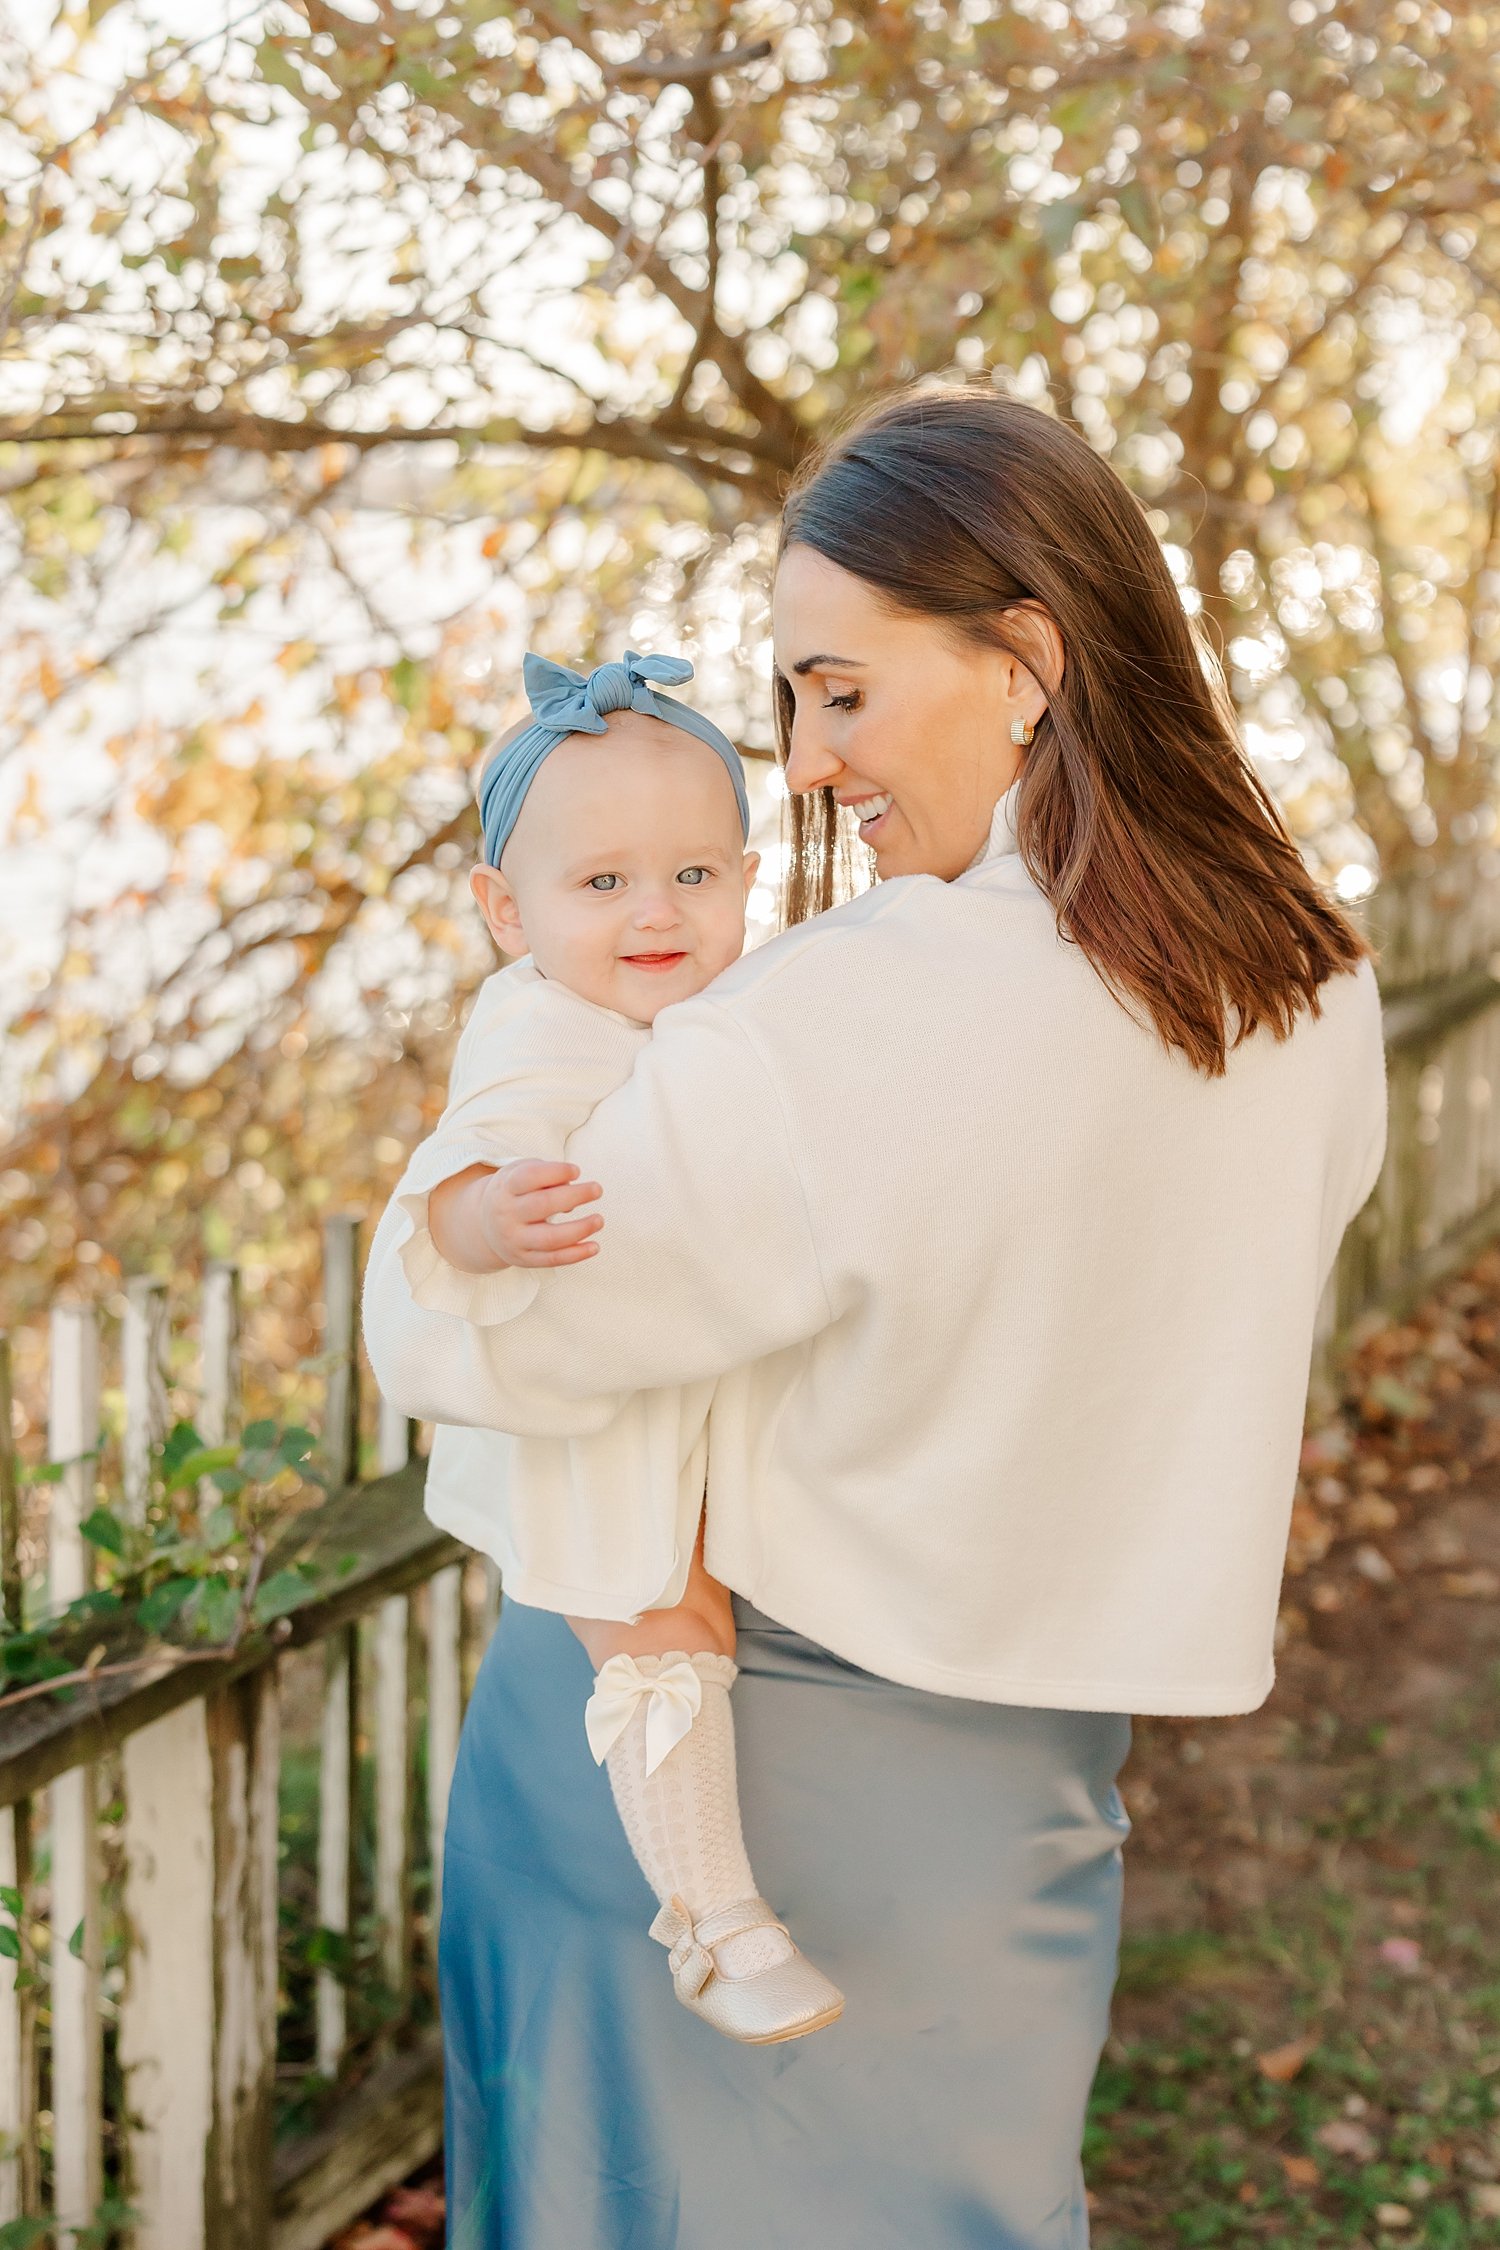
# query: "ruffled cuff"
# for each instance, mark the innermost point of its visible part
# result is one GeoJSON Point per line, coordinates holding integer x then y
{"type": "Point", "coordinates": [486, 1299]}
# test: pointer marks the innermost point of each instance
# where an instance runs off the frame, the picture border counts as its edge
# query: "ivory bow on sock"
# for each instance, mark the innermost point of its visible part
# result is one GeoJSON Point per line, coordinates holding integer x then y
{"type": "Point", "coordinates": [674, 1698]}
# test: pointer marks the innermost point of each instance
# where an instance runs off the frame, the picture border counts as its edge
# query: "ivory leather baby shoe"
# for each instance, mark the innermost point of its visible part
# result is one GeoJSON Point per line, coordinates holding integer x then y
{"type": "Point", "coordinates": [784, 2000]}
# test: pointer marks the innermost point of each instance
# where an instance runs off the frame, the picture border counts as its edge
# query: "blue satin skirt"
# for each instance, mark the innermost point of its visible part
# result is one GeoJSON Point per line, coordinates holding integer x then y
{"type": "Point", "coordinates": [953, 1866]}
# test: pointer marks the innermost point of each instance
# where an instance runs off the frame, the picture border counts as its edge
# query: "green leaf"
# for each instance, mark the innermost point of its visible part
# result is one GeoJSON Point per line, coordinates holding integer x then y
{"type": "Point", "coordinates": [45, 1472]}
{"type": "Point", "coordinates": [229, 1481]}
{"type": "Point", "coordinates": [216, 1609]}
{"type": "Point", "coordinates": [281, 1592]}
{"type": "Point", "coordinates": [181, 1440]}
{"type": "Point", "coordinates": [408, 682]}
{"type": "Point", "coordinates": [103, 1529]}
{"type": "Point", "coordinates": [162, 1604]}
{"type": "Point", "coordinates": [100, 1601]}
{"type": "Point", "coordinates": [20, 2234]}
{"type": "Point", "coordinates": [201, 1463]}
{"type": "Point", "coordinates": [296, 1445]}
{"type": "Point", "coordinates": [220, 1529]}
{"type": "Point", "coordinates": [260, 1434]}
{"type": "Point", "coordinates": [1057, 222]}
{"type": "Point", "coordinates": [75, 1943]}
{"type": "Point", "coordinates": [11, 1900]}
{"type": "Point", "coordinates": [1400, 1399]}
{"type": "Point", "coordinates": [10, 1943]}
{"type": "Point", "coordinates": [276, 69]}
{"type": "Point", "coordinates": [1138, 210]}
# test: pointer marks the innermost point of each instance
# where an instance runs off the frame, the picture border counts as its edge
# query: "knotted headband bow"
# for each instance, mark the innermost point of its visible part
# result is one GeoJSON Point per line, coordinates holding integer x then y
{"type": "Point", "coordinates": [565, 702]}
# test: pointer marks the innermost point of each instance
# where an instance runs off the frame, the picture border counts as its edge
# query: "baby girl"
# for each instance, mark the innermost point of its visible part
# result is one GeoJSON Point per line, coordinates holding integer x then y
{"type": "Point", "coordinates": [615, 828]}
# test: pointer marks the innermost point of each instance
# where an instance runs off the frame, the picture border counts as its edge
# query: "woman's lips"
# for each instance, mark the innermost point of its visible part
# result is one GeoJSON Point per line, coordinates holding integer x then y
{"type": "Point", "coordinates": [653, 963]}
{"type": "Point", "coordinates": [871, 812]}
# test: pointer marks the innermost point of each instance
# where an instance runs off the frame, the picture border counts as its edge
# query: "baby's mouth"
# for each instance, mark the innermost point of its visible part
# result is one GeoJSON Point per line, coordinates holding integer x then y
{"type": "Point", "coordinates": [653, 963]}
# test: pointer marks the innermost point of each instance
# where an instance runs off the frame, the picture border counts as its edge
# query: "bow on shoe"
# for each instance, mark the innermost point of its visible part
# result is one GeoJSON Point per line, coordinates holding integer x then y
{"type": "Point", "coordinates": [674, 1697]}
{"type": "Point", "coordinates": [690, 1944]}
{"type": "Point", "coordinates": [688, 1958]}
{"type": "Point", "coordinates": [577, 702]}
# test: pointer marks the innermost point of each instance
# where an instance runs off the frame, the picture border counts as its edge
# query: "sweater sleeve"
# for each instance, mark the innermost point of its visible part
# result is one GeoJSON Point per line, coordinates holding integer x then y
{"type": "Point", "coordinates": [533, 1061]}
{"type": "Point", "coordinates": [707, 1258]}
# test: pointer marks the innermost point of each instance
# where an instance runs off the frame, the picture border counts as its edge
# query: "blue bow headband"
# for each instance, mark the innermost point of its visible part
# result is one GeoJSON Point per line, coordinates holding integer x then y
{"type": "Point", "coordinates": [567, 703]}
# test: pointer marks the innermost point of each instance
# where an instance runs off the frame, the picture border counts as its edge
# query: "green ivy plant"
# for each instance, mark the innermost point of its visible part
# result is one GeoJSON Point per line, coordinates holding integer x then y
{"type": "Point", "coordinates": [191, 1568]}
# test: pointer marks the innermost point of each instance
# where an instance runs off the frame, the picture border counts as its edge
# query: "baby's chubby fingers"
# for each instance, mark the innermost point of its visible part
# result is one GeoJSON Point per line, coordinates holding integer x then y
{"type": "Point", "coordinates": [532, 1190]}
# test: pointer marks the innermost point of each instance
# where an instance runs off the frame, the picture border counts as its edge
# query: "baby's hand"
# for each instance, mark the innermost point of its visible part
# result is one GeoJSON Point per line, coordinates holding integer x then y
{"type": "Point", "coordinates": [517, 1207]}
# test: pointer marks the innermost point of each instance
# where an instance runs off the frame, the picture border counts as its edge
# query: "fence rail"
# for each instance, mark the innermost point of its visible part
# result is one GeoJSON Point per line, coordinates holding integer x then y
{"type": "Point", "coordinates": [147, 1823]}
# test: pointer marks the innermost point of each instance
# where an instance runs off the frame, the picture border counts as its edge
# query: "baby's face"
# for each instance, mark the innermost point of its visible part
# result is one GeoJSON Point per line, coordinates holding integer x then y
{"type": "Point", "coordinates": [625, 876]}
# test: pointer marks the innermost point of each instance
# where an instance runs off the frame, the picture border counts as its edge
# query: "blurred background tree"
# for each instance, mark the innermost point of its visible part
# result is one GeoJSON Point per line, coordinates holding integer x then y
{"type": "Point", "coordinates": [347, 350]}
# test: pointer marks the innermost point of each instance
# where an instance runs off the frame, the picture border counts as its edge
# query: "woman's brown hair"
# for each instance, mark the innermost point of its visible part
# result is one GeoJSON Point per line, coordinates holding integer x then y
{"type": "Point", "coordinates": [1139, 813]}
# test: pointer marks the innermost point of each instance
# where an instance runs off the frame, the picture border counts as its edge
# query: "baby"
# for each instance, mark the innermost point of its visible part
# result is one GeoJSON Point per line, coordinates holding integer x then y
{"type": "Point", "coordinates": [615, 825]}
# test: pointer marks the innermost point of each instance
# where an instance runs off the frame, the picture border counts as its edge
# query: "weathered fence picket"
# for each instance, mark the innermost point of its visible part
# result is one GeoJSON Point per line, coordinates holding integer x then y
{"type": "Point", "coordinates": [77, 1928]}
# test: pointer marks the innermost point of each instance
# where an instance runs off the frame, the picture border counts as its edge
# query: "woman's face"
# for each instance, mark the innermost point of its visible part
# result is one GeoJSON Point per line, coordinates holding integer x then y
{"type": "Point", "coordinates": [908, 726]}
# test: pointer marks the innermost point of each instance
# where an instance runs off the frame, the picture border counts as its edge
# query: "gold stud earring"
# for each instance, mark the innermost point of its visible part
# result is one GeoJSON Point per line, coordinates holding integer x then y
{"type": "Point", "coordinates": [1021, 732]}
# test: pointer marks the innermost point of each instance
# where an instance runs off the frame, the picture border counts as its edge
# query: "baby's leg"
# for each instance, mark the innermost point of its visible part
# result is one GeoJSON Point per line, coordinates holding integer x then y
{"type": "Point", "coordinates": [660, 1721]}
{"type": "Point", "coordinates": [702, 1621]}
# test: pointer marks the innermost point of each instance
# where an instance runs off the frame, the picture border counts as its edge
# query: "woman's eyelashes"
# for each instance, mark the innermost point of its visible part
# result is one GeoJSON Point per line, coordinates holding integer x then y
{"type": "Point", "coordinates": [849, 702]}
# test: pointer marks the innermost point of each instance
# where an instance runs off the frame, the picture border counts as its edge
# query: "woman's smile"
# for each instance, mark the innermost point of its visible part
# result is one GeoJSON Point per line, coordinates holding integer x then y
{"type": "Point", "coordinates": [871, 809]}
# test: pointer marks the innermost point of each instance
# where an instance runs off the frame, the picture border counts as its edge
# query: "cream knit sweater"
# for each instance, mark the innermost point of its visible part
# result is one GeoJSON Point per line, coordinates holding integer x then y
{"type": "Point", "coordinates": [1026, 1301]}
{"type": "Point", "coordinates": [598, 1525]}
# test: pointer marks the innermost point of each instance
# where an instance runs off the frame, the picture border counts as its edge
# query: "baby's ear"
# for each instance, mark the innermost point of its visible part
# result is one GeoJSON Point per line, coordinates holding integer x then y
{"type": "Point", "coordinates": [497, 903]}
{"type": "Point", "coordinates": [752, 869]}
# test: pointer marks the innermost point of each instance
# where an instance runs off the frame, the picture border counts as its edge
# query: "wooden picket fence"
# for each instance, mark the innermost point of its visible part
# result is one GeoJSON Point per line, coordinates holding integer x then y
{"type": "Point", "coordinates": [168, 1779]}
{"type": "Point", "coordinates": [156, 2064]}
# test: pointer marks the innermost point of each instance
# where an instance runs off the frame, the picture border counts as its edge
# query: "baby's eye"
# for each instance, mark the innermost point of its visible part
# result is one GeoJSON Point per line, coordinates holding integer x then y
{"type": "Point", "coordinates": [603, 882]}
{"type": "Point", "coordinates": [849, 702]}
{"type": "Point", "coordinates": [693, 875]}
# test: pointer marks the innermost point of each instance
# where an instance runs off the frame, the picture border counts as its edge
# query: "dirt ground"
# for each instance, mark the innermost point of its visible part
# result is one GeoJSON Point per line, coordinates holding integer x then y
{"type": "Point", "coordinates": [1306, 2042]}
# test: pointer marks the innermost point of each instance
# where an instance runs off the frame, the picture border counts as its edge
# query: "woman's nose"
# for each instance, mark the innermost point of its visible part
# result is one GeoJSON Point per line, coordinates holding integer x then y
{"type": "Point", "coordinates": [810, 764]}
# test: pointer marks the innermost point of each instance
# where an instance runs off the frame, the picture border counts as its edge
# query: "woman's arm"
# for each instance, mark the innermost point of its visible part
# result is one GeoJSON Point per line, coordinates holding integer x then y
{"type": "Point", "coordinates": [707, 1259]}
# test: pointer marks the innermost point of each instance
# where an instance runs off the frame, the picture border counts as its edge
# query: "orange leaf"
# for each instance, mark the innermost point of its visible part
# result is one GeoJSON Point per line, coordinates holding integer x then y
{"type": "Point", "coordinates": [1300, 2171]}
{"type": "Point", "coordinates": [1283, 2063]}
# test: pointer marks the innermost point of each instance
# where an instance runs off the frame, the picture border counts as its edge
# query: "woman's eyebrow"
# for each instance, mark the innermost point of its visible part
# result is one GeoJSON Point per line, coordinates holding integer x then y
{"type": "Point", "coordinates": [832, 663]}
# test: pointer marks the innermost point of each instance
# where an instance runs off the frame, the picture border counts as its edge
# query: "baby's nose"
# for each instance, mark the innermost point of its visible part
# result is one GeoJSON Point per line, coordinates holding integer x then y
{"type": "Point", "coordinates": [655, 910]}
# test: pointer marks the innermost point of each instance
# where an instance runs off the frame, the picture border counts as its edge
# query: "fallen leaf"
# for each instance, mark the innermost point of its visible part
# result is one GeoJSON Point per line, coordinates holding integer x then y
{"type": "Point", "coordinates": [1392, 2215]}
{"type": "Point", "coordinates": [419, 2209]}
{"type": "Point", "coordinates": [1301, 2171]}
{"type": "Point", "coordinates": [1283, 2063]}
{"type": "Point", "coordinates": [1472, 1585]}
{"type": "Point", "coordinates": [1403, 1953]}
{"type": "Point", "coordinates": [1248, 2192]}
{"type": "Point", "coordinates": [1346, 2138]}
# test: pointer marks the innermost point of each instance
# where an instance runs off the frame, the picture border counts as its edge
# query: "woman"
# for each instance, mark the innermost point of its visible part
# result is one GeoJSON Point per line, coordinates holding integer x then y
{"type": "Point", "coordinates": [1017, 1179]}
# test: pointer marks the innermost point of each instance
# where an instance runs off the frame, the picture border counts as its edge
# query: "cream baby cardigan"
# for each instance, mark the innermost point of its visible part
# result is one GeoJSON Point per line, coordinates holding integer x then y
{"type": "Point", "coordinates": [1027, 1301]}
{"type": "Point", "coordinates": [601, 1525]}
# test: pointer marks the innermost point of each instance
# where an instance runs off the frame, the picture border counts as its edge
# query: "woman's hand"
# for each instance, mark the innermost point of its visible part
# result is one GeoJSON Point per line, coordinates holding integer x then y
{"type": "Point", "coordinates": [516, 1215]}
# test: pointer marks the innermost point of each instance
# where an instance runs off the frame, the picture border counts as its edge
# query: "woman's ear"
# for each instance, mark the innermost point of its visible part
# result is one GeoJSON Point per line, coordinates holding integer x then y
{"type": "Point", "coordinates": [1039, 645]}
{"type": "Point", "coordinates": [497, 903]}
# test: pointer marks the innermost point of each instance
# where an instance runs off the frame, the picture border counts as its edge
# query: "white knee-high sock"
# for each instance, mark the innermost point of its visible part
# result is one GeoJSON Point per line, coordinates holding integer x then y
{"type": "Point", "coordinates": [682, 1820]}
